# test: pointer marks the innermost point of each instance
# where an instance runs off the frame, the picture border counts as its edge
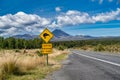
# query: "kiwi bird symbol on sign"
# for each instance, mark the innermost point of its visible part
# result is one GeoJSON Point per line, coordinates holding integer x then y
{"type": "Point", "coordinates": [45, 35]}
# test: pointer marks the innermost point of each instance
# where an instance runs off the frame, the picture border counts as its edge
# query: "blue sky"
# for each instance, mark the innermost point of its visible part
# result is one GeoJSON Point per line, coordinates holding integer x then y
{"type": "Point", "coordinates": [76, 17]}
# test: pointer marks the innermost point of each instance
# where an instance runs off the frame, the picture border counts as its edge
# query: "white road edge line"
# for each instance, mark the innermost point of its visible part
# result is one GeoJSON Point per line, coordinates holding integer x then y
{"type": "Point", "coordinates": [109, 62]}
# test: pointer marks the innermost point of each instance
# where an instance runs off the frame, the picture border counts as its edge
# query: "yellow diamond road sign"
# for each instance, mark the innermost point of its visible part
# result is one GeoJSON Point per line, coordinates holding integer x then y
{"type": "Point", "coordinates": [46, 35]}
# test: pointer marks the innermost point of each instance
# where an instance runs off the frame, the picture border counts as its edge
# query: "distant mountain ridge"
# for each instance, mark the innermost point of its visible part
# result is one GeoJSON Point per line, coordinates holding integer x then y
{"type": "Point", "coordinates": [57, 34]}
{"type": "Point", "coordinates": [60, 35]}
{"type": "Point", "coordinates": [26, 36]}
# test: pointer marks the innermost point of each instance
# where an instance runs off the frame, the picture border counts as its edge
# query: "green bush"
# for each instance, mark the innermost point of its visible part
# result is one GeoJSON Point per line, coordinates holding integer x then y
{"type": "Point", "coordinates": [17, 50]}
{"type": "Point", "coordinates": [39, 53]}
{"type": "Point", "coordinates": [61, 47]}
{"type": "Point", "coordinates": [99, 47]}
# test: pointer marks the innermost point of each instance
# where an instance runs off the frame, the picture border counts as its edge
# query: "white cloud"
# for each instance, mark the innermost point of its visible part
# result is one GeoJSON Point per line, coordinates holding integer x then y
{"type": "Point", "coordinates": [100, 1]}
{"type": "Point", "coordinates": [73, 17]}
{"type": "Point", "coordinates": [22, 21]}
{"type": "Point", "coordinates": [41, 30]}
{"type": "Point", "coordinates": [31, 23]}
{"type": "Point", "coordinates": [9, 32]}
{"type": "Point", "coordinates": [110, 0]}
{"type": "Point", "coordinates": [57, 9]}
{"type": "Point", "coordinates": [108, 16]}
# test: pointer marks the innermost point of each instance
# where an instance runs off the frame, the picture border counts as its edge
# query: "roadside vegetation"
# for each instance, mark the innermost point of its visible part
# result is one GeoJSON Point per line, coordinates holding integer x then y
{"type": "Point", "coordinates": [18, 65]}
{"type": "Point", "coordinates": [22, 59]}
{"type": "Point", "coordinates": [109, 45]}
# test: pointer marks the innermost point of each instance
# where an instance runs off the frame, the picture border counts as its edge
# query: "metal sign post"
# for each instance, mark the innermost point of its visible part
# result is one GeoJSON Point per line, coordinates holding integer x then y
{"type": "Point", "coordinates": [46, 35]}
{"type": "Point", "coordinates": [47, 59]}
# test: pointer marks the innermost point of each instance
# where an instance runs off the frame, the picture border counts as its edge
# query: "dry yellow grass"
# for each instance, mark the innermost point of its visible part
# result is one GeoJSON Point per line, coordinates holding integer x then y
{"type": "Point", "coordinates": [53, 58]}
{"type": "Point", "coordinates": [9, 62]}
{"type": "Point", "coordinates": [58, 52]}
{"type": "Point", "coordinates": [12, 62]}
{"type": "Point", "coordinates": [18, 63]}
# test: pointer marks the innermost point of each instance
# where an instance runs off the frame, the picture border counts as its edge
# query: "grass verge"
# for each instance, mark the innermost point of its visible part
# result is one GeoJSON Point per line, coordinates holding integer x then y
{"type": "Point", "coordinates": [29, 66]}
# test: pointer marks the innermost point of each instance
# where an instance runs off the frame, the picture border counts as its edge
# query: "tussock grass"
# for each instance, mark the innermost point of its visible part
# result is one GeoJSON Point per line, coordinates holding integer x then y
{"type": "Point", "coordinates": [18, 65]}
{"type": "Point", "coordinates": [14, 64]}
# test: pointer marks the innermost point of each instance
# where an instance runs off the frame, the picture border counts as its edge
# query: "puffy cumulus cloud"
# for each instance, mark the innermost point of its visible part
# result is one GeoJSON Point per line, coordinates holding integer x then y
{"type": "Point", "coordinates": [22, 21]}
{"type": "Point", "coordinates": [31, 23]}
{"type": "Point", "coordinates": [73, 17]}
{"type": "Point", "coordinates": [9, 31]}
{"type": "Point", "coordinates": [57, 9]}
{"type": "Point", "coordinates": [108, 16]}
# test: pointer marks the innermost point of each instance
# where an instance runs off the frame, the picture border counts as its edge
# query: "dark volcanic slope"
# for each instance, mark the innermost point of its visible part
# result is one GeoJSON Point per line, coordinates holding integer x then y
{"type": "Point", "coordinates": [59, 33]}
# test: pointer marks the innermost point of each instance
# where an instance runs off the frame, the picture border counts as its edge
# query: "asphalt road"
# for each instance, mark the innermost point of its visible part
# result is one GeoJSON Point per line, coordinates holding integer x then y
{"type": "Point", "coordinates": [83, 65]}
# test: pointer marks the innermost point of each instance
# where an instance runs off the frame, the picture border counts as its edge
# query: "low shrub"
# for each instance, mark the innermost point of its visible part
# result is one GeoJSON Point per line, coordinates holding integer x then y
{"type": "Point", "coordinates": [17, 50]}
{"type": "Point", "coordinates": [61, 47]}
{"type": "Point", "coordinates": [39, 53]}
{"type": "Point", "coordinates": [99, 47]}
